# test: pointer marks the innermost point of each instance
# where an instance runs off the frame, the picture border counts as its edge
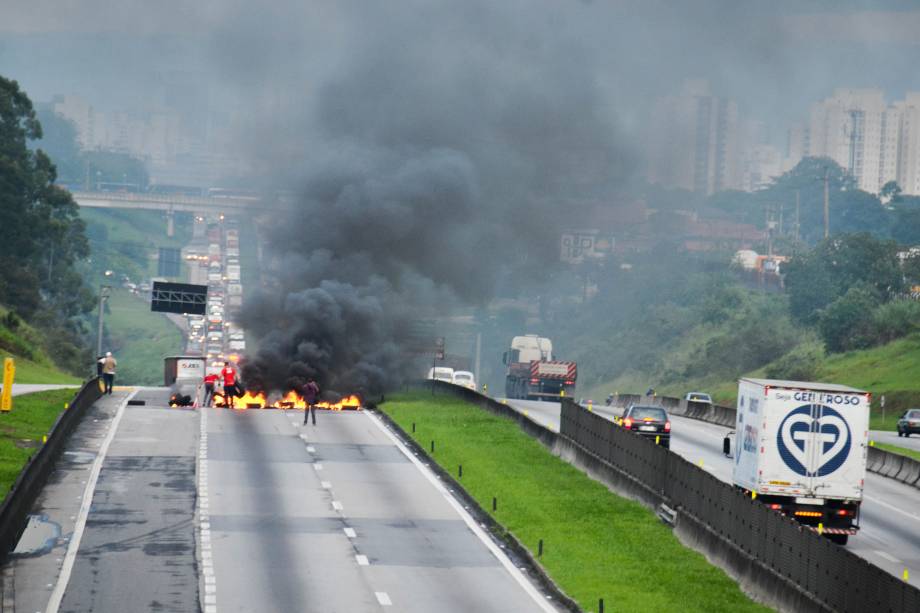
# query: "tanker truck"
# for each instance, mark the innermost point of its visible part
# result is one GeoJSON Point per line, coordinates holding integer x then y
{"type": "Point", "coordinates": [533, 374]}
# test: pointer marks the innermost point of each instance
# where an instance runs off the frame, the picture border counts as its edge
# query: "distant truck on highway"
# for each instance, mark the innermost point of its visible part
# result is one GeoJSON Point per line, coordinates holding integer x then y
{"type": "Point", "coordinates": [532, 373]}
{"type": "Point", "coordinates": [802, 448]}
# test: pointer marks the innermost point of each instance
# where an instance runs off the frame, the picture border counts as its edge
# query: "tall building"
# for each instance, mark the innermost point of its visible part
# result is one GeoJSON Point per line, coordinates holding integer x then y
{"type": "Point", "coordinates": [857, 129]}
{"type": "Point", "coordinates": [908, 149]}
{"type": "Point", "coordinates": [693, 141]}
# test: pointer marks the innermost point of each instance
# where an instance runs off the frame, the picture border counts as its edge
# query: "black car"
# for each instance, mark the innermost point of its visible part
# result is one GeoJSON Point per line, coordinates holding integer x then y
{"type": "Point", "coordinates": [648, 421]}
{"type": "Point", "coordinates": [909, 423]}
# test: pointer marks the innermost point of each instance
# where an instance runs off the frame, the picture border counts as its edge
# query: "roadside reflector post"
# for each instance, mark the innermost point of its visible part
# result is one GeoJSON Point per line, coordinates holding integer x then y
{"type": "Point", "coordinates": [820, 528]}
{"type": "Point", "coordinates": [906, 575]}
{"type": "Point", "coordinates": [871, 443]}
{"type": "Point", "coordinates": [6, 396]}
{"type": "Point", "coordinates": [540, 549]}
{"type": "Point", "coordinates": [562, 393]}
{"type": "Point", "coordinates": [701, 463]}
{"type": "Point", "coordinates": [657, 439]}
{"type": "Point", "coordinates": [44, 438]}
{"type": "Point", "coordinates": [494, 504]}
{"type": "Point", "coordinates": [66, 405]}
{"type": "Point", "coordinates": [753, 495]}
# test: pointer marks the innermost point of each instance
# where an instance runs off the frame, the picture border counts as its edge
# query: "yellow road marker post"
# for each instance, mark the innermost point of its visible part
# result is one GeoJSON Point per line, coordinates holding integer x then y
{"type": "Point", "coordinates": [6, 398]}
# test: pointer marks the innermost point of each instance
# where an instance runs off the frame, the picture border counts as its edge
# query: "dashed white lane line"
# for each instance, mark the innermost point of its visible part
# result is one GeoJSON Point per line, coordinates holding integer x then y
{"type": "Point", "coordinates": [87, 500]}
{"type": "Point", "coordinates": [350, 533]}
{"type": "Point", "coordinates": [887, 556]}
{"type": "Point", "coordinates": [336, 505]}
{"type": "Point", "coordinates": [362, 560]}
{"type": "Point", "coordinates": [311, 449]}
{"type": "Point", "coordinates": [317, 467]}
{"type": "Point", "coordinates": [384, 599]}
{"type": "Point", "coordinates": [467, 519]}
{"type": "Point", "coordinates": [326, 485]}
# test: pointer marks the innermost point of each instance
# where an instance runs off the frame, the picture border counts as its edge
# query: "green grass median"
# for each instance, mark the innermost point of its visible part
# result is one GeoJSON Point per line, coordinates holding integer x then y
{"type": "Point", "coordinates": [596, 544]}
{"type": "Point", "coordinates": [910, 453]}
{"type": "Point", "coordinates": [22, 429]}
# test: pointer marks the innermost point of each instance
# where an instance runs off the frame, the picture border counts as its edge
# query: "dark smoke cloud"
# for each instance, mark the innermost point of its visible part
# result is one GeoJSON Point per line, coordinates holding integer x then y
{"type": "Point", "coordinates": [449, 146]}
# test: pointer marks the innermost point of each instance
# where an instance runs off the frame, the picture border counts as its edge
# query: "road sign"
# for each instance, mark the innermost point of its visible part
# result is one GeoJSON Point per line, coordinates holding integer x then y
{"type": "Point", "coordinates": [179, 298]}
{"type": "Point", "coordinates": [6, 397]}
{"type": "Point", "coordinates": [439, 348]}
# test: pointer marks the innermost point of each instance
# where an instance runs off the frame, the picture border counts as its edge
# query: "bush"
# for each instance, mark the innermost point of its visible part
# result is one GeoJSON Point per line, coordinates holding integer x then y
{"type": "Point", "coordinates": [800, 364]}
{"type": "Point", "coordinates": [895, 320]}
{"type": "Point", "coordinates": [847, 323]}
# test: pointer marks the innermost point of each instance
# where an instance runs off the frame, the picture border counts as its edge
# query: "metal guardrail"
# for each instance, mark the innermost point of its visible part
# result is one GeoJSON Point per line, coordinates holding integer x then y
{"type": "Point", "coordinates": [833, 576]}
{"type": "Point", "coordinates": [14, 511]}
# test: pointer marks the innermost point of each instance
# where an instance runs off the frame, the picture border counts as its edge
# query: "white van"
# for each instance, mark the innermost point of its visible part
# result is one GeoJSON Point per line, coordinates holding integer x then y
{"type": "Point", "coordinates": [465, 378]}
{"type": "Point", "coordinates": [441, 373]}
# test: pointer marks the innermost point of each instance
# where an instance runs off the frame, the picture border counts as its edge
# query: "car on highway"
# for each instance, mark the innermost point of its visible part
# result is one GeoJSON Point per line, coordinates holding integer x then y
{"type": "Point", "coordinates": [441, 373]}
{"type": "Point", "coordinates": [909, 423]}
{"type": "Point", "coordinates": [650, 421]}
{"type": "Point", "coordinates": [464, 378]}
{"type": "Point", "coordinates": [698, 397]}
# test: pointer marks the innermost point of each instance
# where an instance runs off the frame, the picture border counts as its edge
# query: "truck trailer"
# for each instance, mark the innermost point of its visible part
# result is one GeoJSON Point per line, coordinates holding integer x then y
{"type": "Point", "coordinates": [801, 448]}
{"type": "Point", "coordinates": [532, 372]}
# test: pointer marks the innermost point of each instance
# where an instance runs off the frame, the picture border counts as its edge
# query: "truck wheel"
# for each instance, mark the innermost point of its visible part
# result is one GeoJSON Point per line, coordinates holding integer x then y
{"type": "Point", "coordinates": [840, 539]}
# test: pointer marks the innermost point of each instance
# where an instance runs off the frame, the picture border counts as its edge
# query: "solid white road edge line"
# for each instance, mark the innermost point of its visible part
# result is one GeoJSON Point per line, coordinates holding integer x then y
{"type": "Point", "coordinates": [74, 546]}
{"type": "Point", "coordinates": [468, 520]}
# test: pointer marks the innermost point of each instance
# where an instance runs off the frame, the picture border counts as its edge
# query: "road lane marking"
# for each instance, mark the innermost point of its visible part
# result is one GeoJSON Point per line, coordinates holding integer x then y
{"type": "Point", "coordinates": [887, 556]}
{"type": "Point", "coordinates": [57, 595]}
{"type": "Point", "coordinates": [311, 449]}
{"type": "Point", "coordinates": [350, 533]}
{"type": "Point", "coordinates": [326, 485]}
{"type": "Point", "coordinates": [336, 505]}
{"type": "Point", "coordinates": [317, 467]}
{"type": "Point", "coordinates": [894, 508]}
{"type": "Point", "coordinates": [515, 573]}
{"type": "Point", "coordinates": [383, 599]}
{"type": "Point", "coordinates": [362, 560]}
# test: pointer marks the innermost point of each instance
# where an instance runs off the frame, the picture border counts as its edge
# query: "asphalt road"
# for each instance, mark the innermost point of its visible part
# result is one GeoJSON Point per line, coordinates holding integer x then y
{"type": "Point", "coordinates": [889, 518]}
{"type": "Point", "coordinates": [337, 520]}
{"type": "Point", "coordinates": [891, 437]}
{"type": "Point", "coordinates": [29, 388]}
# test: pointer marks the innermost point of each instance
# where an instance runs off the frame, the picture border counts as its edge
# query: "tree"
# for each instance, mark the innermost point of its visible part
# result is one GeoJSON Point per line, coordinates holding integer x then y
{"type": "Point", "coordinates": [890, 191]}
{"type": "Point", "coordinates": [43, 236]}
{"type": "Point", "coordinates": [59, 141]}
{"type": "Point", "coordinates": [847, 323]}
{"type": "Point", "coordinates": [816, 278]}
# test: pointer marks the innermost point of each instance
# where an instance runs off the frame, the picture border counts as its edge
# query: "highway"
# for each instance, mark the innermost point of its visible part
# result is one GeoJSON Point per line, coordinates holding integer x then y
{"type": "Point", "coordinates": [890, 514]}
{"type": "Point", "coordinates": [891, 437]}
{"type": "Point", "coordinates": [249, 510]}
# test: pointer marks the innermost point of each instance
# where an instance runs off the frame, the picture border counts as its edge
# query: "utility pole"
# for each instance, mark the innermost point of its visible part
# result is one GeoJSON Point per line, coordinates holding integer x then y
{"type": "Point", "coordinates": [827, 208]}
{"type": "Point", "coordinates": [103, 295]}
{"type": "Point", "coordinates": [797, 199]}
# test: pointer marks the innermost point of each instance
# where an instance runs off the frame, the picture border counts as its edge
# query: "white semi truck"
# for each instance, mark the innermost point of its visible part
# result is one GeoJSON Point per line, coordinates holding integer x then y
{"type": "Point", "coordinates": [801, 447]}
{"type": "Point", "coordinates": [532, 372]}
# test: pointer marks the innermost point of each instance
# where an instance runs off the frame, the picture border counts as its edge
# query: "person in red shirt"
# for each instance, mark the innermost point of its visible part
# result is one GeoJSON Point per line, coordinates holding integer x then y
{"type": "Point", "coordinates": [210, 380]}
{"type": "Point", "coordinates": [231, 390]}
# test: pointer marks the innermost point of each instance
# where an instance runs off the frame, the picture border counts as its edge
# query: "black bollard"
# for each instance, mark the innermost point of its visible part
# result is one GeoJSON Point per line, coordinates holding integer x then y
{"type": "Point", "coordinates": [460, 471]}
{"type": "Point", "coordinates": [494, 504]}
{"type": "Point", "coordinates": [432, 446]}
{"type": "Point", "coordinates": [540, 549]}
{"type": "Point", "coordinates": [413, 427]}
{"type": "Point", "coordinates": [600, 606]}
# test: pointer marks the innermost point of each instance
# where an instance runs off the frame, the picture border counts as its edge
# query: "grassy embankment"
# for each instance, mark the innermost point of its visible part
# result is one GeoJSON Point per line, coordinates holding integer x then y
{"type": "Point", "coordinates": [596, 544]}
{"type": "Point", "coordinates": [22, 429]}
{"type": "Point", "coordinates": [24, 344]}
{"type": "Point", "coordinates": [140, 339]}
{"type": "Point", "coordinates": [910, 453]}
{"type": "Point", "coordinates": [892, 370]}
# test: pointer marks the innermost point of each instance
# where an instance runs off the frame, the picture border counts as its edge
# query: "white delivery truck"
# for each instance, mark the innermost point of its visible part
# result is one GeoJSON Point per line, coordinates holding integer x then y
{"type": "Point", "coordinates": [801, 447]}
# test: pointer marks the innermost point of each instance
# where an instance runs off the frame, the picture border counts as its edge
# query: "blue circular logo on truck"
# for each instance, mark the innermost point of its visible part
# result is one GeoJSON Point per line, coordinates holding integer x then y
{"type": "Point", "coordinates": [814, 440]}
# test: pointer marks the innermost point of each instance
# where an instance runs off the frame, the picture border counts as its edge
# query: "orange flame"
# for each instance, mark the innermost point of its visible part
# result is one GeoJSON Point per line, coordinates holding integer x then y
{"type": "Point", "coordinates": [348, 402]}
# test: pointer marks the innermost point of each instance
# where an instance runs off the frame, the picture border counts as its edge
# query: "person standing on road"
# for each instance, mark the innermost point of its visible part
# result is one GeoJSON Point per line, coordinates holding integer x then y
{"type": "Point", "coordinates": [210, 380]}
{"type": "Point", "coordinates": [231, 390]}
{"type": "Point", "coordinates": [310, 396]}
{"type": "Point", "coordinates": [108, 372]}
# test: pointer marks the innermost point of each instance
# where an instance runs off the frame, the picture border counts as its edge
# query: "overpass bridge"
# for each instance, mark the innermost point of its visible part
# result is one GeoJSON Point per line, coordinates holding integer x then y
{"type": "Point", "coordinates": [171, 203]}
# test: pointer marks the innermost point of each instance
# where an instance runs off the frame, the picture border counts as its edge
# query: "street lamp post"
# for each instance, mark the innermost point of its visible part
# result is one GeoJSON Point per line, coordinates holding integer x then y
{"type": "Point", "coordinates": [103, 295]}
